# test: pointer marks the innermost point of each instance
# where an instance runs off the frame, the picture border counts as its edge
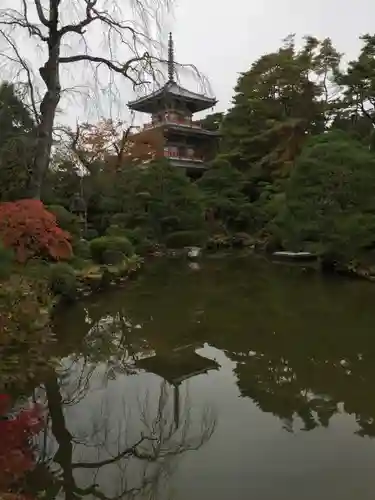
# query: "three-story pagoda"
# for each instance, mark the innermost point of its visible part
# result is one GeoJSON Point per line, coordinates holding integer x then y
{"type": "Point", "coordinates": [172, 132]}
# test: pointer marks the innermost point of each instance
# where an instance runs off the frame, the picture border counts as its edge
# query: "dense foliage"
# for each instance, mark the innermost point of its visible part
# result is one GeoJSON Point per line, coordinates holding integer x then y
{"type": "Point", "coordinates": [100, 247]}
{"type": "Point", "coordinates": [16, 454]}
{"type": "Point", "coordinates": [31, 231]}
{"type": "Point", "coordinates": [17, 138]}
{"type": "Point", "coordinates": [329, 203]}
{"type": "Point", "coordinates": [295, 170]}
{"type": "Point", "coordinates": [280, 159]}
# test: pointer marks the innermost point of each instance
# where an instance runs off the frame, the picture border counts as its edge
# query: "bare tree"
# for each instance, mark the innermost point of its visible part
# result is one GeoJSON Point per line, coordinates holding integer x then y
{"type": "Point", "coordinates": [66, 34]}
{"type": "Point", "coordinates": [139, 453]}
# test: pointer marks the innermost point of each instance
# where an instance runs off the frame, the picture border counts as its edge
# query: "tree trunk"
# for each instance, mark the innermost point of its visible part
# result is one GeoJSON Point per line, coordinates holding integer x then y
{"type": "Point", "coordinates": [50, 75]}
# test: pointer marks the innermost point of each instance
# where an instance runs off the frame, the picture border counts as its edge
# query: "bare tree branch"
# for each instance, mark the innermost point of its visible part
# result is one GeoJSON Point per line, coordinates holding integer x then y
{"type": "Point", "coordinates": [114, 66]}
{"type": "Point", "coordinates": [126, 453]}
{"type": "Point", "coordinates": [63, 32]}
{"type": "Point", "coordinates": [39, 9]}
{"type": "Point", "coordinates": [27, 70]}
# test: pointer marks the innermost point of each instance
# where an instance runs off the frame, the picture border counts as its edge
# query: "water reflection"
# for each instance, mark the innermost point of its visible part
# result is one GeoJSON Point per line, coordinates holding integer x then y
{"type": "Point", "coordinates": [116, 441]}
{"type": "Point", "coordinates": [301, 346]}
{"type": "Point", "coordinates": [224, 358]}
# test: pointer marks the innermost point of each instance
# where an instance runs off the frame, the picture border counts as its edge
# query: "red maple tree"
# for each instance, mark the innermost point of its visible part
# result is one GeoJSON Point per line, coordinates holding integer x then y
{"type": "Point", "coordinates": [32, 231]}
{"type": "Point", "coordinates": [16, 453]}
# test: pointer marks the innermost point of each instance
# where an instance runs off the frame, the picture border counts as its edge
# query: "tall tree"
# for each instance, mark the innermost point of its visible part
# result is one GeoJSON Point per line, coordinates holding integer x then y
{"type": "Point", "coordinates": [330, 205]}
{"type": "Point", "coordinates": [17, 141]}
{"type": "Point", "coordinates": [277, 103]}
{"type": "Point", "coordinates": [54, 26]}
{"type": "Point", "coordinates": [357, 113]}
{"type": "Point", "coordinates": [212, 121]}
{"type": "Point", "coordinates": [359, 81]}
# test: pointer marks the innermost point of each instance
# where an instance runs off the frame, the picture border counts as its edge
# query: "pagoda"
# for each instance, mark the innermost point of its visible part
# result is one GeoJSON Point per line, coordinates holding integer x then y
{"type": "Point", "coordinates": [177, 366]}
{"type": "Point", "coordinates": [172, 132]}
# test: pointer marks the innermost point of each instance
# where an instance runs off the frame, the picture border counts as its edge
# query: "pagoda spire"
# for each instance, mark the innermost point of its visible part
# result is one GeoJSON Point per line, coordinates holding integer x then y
{"type": "Point", "coordinates": [171, 63]}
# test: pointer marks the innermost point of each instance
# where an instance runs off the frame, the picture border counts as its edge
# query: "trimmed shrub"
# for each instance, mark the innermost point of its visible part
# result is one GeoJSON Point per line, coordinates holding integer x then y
{"type": "Point", "coordinates": [90, 234]}
{"type": "Point", "coordinates": [65, 219]}
{"type": "Point", "coordinates": [63, 280]}
{"type": "Point", "coordinates": [115, 230]}
{"type": "Point", "coordinates": [81, 248]}
{"type": "Point", "coordinates": [113, 257]}
{"type": "Point", "coordinates": [120, 219]}
{"type": "Point", "coordinates": [31, 231]}
{"type": "Point", "coordinates": [137, 235]}
{"type": "Point", "coordinates": [181, 239]}
{"type": "Point", "coordinates": [99, 246]}
{"type": "Point", "coordinates": [146, 246]}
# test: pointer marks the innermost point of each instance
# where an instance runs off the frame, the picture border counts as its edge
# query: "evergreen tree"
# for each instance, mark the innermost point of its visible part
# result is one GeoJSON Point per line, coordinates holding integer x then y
{"type": "Point", "coordinates": [330, 204]}
{"type": "Point", "coordinates": [17, 138]}
{"type": "Point", "coordinates": [277, 104]}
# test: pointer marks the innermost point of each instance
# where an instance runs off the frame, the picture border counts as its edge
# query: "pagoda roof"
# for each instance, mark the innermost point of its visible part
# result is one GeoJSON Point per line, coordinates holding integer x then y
{"type": "Point", "coordinates": [197, 102]}
{"type": "Point", "coordinates": [178, 365]}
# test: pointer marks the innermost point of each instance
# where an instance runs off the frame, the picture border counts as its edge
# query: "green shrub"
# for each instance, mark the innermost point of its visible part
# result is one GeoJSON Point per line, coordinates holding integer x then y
{"type": "Point", "coordinates": [181, 239]}
{"type": "Point", "coordinates": [63, 280]}
{"type": "Point", "coordinates": [146, 246]}
{"type": "Point", "coordinates": [99, 246]}
{"type": "Point", "coordinates": [81, 248]}
{"type": "Point", "coordinates": [113, 257]}
{"type": "Point", "coordinates": [6, 261]}
{"type": "Point", "coordinates": [120, 219]}
{"type": "Point", "coordinates": [79, 263]}
{"type": "Point", "coordinates": [90, 234]}
{"type": "Point", "coordinates": [65, 219]}
{"type": "Point", "coordinates": [115, 230]}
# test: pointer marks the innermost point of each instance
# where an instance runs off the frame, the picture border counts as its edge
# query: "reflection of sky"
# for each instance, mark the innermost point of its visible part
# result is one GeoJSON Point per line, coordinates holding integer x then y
{"type": "Point", "coordinates": [251, 29]}
{"type": "Point", "coordinates": [248, 456]}
{"type": "Point", "coordinates": [295, 353]}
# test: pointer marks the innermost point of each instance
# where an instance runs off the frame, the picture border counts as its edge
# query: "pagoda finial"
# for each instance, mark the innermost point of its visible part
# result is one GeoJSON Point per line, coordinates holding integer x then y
{"type": "Point", "coordinates": [170, 59]}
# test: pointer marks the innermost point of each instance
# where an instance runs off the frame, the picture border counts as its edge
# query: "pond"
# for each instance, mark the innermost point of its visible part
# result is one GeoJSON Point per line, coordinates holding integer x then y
{"type": "Point", "coordinates": [234, 378]}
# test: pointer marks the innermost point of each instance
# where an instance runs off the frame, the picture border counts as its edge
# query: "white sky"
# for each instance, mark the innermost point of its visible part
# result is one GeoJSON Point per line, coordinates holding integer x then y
{"type": "Point", "coordinates": [222, 39]}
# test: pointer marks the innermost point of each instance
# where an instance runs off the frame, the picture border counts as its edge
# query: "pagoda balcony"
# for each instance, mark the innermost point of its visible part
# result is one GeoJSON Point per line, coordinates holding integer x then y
{"type": "Point", "coordinates": [180, 155]}
{"type": "Point", "coordinates": [184, 122]}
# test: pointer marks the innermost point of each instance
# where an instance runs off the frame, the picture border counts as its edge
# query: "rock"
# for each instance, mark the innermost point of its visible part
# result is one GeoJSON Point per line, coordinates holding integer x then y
{"type": "Point", "coordinates": [194, 252]}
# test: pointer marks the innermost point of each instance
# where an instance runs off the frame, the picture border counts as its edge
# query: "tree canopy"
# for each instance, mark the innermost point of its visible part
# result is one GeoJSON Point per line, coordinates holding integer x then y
{"type": "Point", "coordinates": [329, 203]}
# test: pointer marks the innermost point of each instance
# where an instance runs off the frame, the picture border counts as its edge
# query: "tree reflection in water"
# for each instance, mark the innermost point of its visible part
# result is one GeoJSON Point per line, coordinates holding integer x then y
{"type": "Point", "coordinates": [105, 444]}
{"type": "Point", "coordinates": [303, 346]}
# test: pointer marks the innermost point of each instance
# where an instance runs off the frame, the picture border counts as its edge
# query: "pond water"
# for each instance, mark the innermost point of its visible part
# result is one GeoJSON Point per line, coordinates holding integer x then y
{"type": "Point", "coordinates": [234, 379]}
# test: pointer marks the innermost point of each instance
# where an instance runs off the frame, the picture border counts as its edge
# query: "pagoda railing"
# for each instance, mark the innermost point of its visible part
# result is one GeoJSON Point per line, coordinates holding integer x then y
{"type": "Point", "coordinates": [178, 155]}
{"type": "Point", "coordinates": [170, 121]}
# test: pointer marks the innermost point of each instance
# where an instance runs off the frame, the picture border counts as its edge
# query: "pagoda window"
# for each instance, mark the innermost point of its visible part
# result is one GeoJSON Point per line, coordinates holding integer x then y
{"type": "Point", "coordinates": [172, 116]}
{"type": "Point", "coordinates": [190, 152]}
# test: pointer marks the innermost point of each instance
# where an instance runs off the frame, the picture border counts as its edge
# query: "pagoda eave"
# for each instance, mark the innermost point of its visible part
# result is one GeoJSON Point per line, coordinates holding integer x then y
{"type": "Point", "coordinates": [178, 366]}
{"type": "Point", "coordinates": [191, 130]}
{"type": "Point", "coordinates": [152, 105]}
{"type": "Point", "coordinates": [149, 103]}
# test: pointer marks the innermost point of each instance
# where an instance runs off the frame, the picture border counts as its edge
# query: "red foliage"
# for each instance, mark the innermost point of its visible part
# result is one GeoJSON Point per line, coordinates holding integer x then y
{"type": "Point", "coordinates": [31, 231]}
{"type": "Point", "coordinates": [16, 454]}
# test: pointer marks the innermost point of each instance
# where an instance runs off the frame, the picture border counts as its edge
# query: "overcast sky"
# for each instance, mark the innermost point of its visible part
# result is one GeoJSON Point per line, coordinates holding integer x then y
{"type": "Point", "coordinates": [223, 38]}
